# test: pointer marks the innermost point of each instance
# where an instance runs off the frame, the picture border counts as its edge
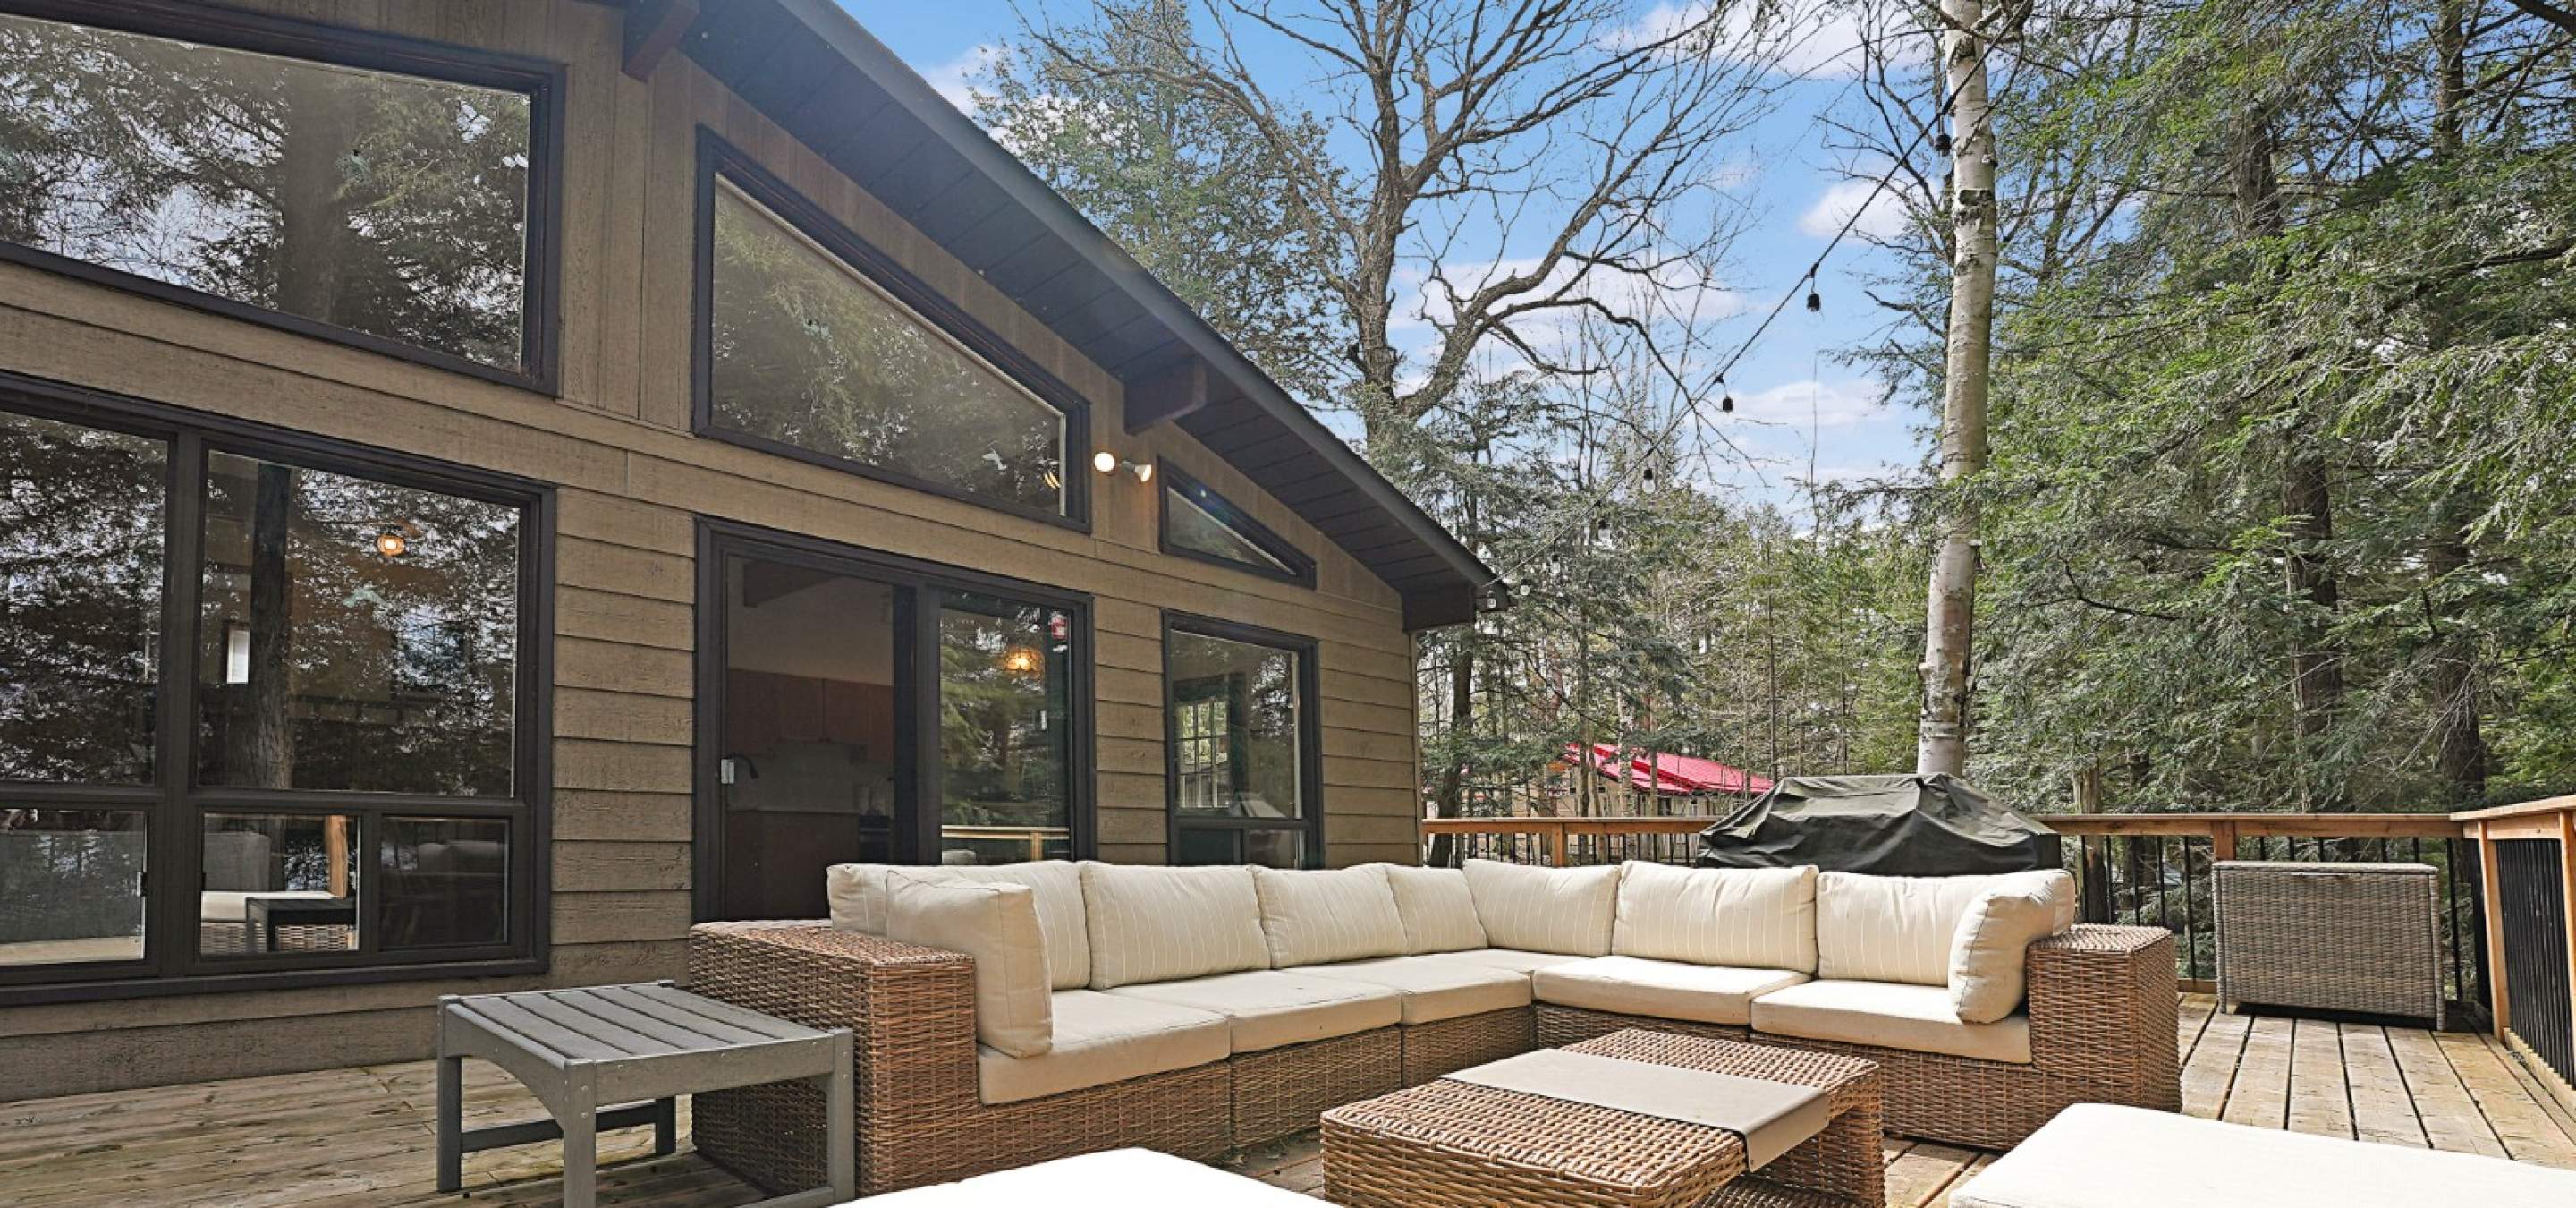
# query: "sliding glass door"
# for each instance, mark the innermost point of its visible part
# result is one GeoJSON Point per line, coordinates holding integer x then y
{"type": "Point", "coordinates": [862, 708]}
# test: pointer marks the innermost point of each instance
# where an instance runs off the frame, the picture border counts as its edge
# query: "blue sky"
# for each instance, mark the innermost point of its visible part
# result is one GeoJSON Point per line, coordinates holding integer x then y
{"type": "Point", "coordinates": [1795, 192]}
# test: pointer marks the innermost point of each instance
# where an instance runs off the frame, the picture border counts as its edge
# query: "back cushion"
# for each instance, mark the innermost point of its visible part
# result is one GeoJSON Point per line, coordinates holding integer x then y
{"type": "Point", "coordinates": [1561, 910]}
{"type": "Point", "coordinates": [1989, 951]}
{"type": "Point", "coordinates": [1314, 918]}
{"type": "Point", "coordinates": [1439, 912]}
{"type": "Point", "coordinates": [1890, 929]}
{"type": "Point", "coordinates": [858, 896]}
{"type": "Point", "coordinates": [997, 925]}
{"type": "Point", "coordinates": [1753, 918]}
{"type": "Point", "coordinates": [1153, 924]}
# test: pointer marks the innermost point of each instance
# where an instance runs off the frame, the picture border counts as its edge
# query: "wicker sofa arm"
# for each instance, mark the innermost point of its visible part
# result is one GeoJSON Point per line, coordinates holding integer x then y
{"type": "Point", "coordinates": [910, 1009]}
{"type": "Point", "coordinates": [2104, 1010]}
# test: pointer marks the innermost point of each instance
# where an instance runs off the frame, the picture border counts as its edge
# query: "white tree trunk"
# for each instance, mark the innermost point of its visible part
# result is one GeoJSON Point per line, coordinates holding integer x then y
{"type": "Point", "coordinates": [1941, 744]}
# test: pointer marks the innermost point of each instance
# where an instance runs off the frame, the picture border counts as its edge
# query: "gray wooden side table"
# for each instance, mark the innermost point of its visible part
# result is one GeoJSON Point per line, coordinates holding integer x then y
{"type": "Point", "coordinates": [642, 1046]}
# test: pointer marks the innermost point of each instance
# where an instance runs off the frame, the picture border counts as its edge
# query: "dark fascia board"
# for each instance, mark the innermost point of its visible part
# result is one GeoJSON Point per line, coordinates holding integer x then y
{"type": "Point", "coordinates": [842, 33]}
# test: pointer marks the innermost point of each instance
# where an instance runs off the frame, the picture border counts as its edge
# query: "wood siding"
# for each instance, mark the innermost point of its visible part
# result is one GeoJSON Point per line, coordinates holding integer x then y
{"type": "Point", "coordinates": [631, 479]}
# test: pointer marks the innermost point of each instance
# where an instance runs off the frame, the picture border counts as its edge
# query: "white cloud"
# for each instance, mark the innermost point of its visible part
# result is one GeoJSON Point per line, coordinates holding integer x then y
{"type": "Point", "coordinates": [951, 78]}
{"type": "Point", "coordinates": [1824, 39]}
{"type": "Point", "coordinates": [1883, 219]}
{"type": "Point", "coordinates": [1848, 403]}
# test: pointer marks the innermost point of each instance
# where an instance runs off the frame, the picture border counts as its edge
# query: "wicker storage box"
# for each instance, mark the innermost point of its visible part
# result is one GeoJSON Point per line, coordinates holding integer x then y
{"type": "Point", "coordinates": [2330, 937]}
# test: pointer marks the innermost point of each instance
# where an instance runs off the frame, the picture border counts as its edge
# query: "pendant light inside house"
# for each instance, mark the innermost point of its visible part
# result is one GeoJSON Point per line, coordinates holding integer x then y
{"type": "Point", "coordinates": [393, 543]}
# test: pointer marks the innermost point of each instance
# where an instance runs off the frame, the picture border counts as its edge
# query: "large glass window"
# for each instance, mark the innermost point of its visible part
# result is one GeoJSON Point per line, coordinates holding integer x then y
{"type": "Point", "coordinates": [388, 205]}
{"type": "Point", "coordinates": [806, 354]}
{"type": "Point", "coordinates": [1241, 735]}
{"type": "Point", "coordinates": [1005, 674]}
{"type": "Point", "coordinates": [1199, 523]}
{"type": "Point", "coordinates": [314, 739]}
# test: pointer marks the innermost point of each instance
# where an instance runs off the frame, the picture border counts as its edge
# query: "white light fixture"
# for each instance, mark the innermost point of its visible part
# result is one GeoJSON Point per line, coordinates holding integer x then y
{"type": "Point", "coordinates": [1110, 463]}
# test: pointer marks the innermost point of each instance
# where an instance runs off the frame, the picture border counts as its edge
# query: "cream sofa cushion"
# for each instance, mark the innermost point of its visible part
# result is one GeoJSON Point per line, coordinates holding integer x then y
{"type": "Point", "coordinates": [2095, 1155]}
{"type": "Point", "coordinates": [1511, 959]}
{"type": "Point", "coordinates": [1630, 985]}
{"type": "Point", "coordinates": [1890, 1015]}
{"type": "Point", "coordinates": [1269, 1008]}
{"type": "Point", "coordinates": [1099, 1040]}
{"type": "Point", "coordinates": [1747, 918]}
{"type": "Point", "coordinates": [1438, 910]}
{"type": "Point", "coordinates": [1894, 929]}
{"type": "Point", "coordinates": [1434, 990]}
{"type": "Point", "coordinates": [1151, 924]}
{"type": "Point", "coordinates": [998, 926]}
{"type": "Point", "coordinates": [1313, 917]}
{"type": "Point", "coordinates": [1567, 910]}
{"type": "Point", "coordinates": [1126, 1178]}
{"type": "Point", "coordinates": [857, 895]}
{"type": "Point", "coordinates": [1994, 937]}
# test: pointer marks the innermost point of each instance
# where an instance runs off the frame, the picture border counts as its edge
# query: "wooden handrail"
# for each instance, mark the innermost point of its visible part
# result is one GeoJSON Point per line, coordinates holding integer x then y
{"type": "Point", "coordinates": [2304, 826]}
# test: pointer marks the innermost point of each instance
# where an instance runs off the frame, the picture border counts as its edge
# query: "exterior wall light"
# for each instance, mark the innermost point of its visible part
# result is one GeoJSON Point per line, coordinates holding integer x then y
{"type": "Point", "coordinates": [1110, 463]}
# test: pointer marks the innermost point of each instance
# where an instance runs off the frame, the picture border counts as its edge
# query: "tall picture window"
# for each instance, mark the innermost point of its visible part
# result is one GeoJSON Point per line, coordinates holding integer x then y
{"type": "Point", "coordinates": [391, 197]}
{"type": "Point", "coordinates": [266, 706]}
{"type": "Point", "coordinates": [813, 345]}
{"type": "Point", "coordinates": [1244, 767]}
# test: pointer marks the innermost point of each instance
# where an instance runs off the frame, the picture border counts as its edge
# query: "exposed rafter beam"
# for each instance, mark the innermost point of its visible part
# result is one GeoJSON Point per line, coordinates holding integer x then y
{"type": "Point", "coordinates": [1166, 394]}
{"type": "Point", "coordinates": [653, 28]}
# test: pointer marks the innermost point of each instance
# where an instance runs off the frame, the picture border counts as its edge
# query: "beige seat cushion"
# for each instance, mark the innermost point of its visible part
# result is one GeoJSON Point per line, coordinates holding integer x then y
{"type": "Point", "coordinates": [1433, 989]}
{"type": "Point", "coordinates": [1993, 940]}
{"type": "Point", "coordinates": [1630, 985]}
{"type": "Point", "coordinates": [2095, 1155]}
{"type": "Point", "coordinates": [1151, 924]}
{"type": "Point", "coordinates": [1438, 910]}
{"type": "Point", "coordinates": [1270, 1008]}
{"type": "Point", "coordinates": [998, 926]}
{"type": "Point", "coordinates": [1100, 1039]}
{"type": "Point", "coordinates": [1897, 929]}
{"type": "Point", "coordinates": [1130, 1178]}
{"type": "Point", "coordinates": [857, 895]}
{"type": "Point", "coordinates": [1890, 1015]}
{"type": "Point", "coordinates": [1747, 918]}
{"type": "Point", "coordinates": [1567, 910]}
{"type": "Point", "coordinates": [1512, 959]}
{"type": "Point", "coordinates": [1311, 917]}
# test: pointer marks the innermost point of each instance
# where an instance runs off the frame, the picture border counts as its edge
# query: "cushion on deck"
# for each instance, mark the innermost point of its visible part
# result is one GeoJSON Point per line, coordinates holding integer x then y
{"type": "Point", "coordinates": [1567, 910]}
{"type": "Point", "coordinates": [1438, 910]}
{"type": "Point", "coordinates": [1630, 985]}
{"type": "Point", "coordinates": [1127, 1178]}
{"type": "Point", "coordinates": [1513, 959]}
{"type": "Point", "coordinates": [2095, 1155]}
{"type": "Point", "coordinates": [998, 926]}
{"type": "Point", "coordinates": [1268, 1009]}
{"type": "Point", "coordinates": [1312, 917]}
{"type": "Point", "coordinates": [858, 896]}
{"type": "Point", "coordinates": [1100, 1039]}
{"type": "Point", "coordinates": [1151, 924]}
{"type": "Point", "coordinates": [1746, 918]}
{"type": "Point", "coordinates": [1993, 941]}
{"type": "Point", "coordinates": [1434, 990]}
{"type": "Point", "coordinates": [1890, 1015]}
{"type": "Point", "coordinates": [1896, 929]}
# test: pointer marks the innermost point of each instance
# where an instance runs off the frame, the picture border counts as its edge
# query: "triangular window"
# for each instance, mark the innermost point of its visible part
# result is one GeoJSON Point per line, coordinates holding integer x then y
{"type": "Point", "coordinates": [1199, 523]}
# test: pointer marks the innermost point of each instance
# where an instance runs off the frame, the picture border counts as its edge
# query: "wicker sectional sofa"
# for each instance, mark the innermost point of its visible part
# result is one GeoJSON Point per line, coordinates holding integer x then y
{"type": "Point", "coordinates": [1199, 1011]}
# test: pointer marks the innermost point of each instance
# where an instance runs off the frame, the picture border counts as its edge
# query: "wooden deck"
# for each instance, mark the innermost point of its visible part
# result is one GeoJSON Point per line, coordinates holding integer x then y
{"type": "Point", "coordinates": [364, 1136]}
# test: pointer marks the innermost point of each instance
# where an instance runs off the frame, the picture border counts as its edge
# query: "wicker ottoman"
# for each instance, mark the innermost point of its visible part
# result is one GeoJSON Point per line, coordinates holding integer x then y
{"type": "Point", "coordinates": [2330, 937]}
{"type": "Point", "coordinates": [1455, 1143]}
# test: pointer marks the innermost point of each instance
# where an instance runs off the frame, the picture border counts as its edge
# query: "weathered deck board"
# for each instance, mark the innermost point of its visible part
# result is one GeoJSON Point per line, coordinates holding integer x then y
{"type": "Point", "coordinates": [363, 1138]}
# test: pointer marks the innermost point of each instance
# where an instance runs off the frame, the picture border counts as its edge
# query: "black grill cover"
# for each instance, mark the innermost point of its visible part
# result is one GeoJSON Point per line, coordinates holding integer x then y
{"type": "Point", "coordinates": [1916, 826]}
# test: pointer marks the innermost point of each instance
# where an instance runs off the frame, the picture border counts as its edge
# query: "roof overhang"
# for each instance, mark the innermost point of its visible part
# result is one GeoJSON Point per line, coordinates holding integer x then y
{"type": "Point", "coordinates": [809, 66]}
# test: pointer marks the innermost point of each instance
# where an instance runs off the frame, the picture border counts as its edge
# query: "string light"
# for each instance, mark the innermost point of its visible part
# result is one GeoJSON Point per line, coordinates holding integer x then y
{"type": "Point", "coordinates": [1815, 301]}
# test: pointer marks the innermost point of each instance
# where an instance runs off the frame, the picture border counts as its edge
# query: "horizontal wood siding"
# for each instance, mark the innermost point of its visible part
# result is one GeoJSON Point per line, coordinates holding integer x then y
{"type": "Point", "coordinates": [632, 479]}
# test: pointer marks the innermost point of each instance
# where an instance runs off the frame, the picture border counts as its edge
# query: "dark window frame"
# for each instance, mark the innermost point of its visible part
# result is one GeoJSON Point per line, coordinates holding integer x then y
{"type": "Point", "coordinates": [1301, 568]}
{"type": "Point", "coordinates": [543, 83]}
{"type": "Point", "coordinates": [919, 585]}
{"type": "Point", "coordinates": [719, 160]}
{"type": "Point", "coordinates": [1310, 733]}
{"type": "Point", "coordinates": [175, 804]}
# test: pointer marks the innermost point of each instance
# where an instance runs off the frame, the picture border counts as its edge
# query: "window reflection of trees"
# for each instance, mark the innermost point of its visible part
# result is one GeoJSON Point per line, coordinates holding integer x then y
{"type": "Point", "coordinates": [80, 559]}
{"type": "Point", "coordinates": [1003, 694]}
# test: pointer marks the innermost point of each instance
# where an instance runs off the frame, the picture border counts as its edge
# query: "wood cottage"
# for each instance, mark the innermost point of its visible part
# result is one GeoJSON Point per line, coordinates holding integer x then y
{"type": "Point", "coordinates": [493, 483]}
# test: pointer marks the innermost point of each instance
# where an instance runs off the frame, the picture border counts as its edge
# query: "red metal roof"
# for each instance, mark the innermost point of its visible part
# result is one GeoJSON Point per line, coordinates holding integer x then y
{"type": "Point", "coordinates": [1677, 775]}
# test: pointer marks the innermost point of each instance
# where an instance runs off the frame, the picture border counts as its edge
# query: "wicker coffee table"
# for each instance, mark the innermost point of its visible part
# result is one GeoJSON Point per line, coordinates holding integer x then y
{"type": "Point", "coordinates": [1454, 1143]}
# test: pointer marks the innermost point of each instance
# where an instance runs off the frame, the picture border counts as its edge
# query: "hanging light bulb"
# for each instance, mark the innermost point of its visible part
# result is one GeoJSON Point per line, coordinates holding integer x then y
{"type": "Point", "coordinates": [1815, 301]}
{"type": "Point", "coordinates": [1941, 142]}
{"type": "Point", "coordinates": [392, 543]}
{"type": "Point", "coordinates": [1650, 476]}
{"type": "Point", "coordinates": [1727, 404]}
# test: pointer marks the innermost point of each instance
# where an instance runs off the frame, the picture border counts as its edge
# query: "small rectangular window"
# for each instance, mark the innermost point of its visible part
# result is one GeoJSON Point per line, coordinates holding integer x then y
{"type": "Point", "coordinates": [1240, 737]}
{"type": "Point", "coordinates": [1200, 524]}
{"type": "Point", "coordinates": [812, 346]}
{"type": "Point", "coordinates": [385, 204]}
{"type": "Point", "coordinates": [71, 886]}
